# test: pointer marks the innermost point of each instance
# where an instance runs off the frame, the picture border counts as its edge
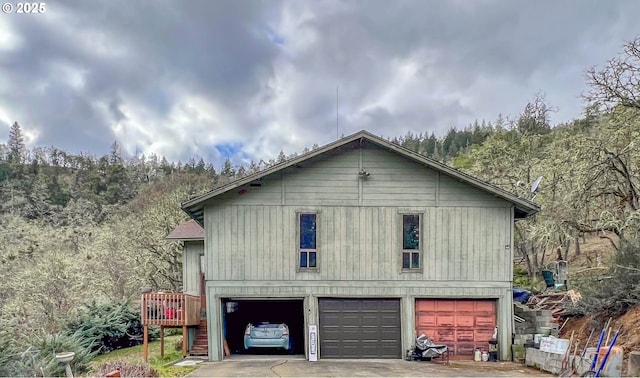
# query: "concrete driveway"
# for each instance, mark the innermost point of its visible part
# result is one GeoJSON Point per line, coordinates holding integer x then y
{"type": "Point", "coordinates": [279, 366]}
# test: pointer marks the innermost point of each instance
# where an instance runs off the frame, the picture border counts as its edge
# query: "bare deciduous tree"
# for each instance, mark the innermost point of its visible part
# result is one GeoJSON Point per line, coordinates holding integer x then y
{"type": "Point", "coordinates": [619, 82]}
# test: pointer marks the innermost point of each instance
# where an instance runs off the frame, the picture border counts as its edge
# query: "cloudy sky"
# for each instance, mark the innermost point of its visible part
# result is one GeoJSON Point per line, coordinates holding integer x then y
{"type": "Point", "coordinates": [246, 79]}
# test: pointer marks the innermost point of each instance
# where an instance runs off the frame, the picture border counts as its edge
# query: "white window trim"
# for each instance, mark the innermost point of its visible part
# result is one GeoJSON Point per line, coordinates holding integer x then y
{"type": "Point", "coordinates": [297, 242]}
{"type": "Point", "coordinates": [420, 214]}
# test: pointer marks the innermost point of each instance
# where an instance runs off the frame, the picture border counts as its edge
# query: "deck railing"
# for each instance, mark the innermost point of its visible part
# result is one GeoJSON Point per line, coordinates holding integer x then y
{"type": "Point", "coordinates": [170, 309]}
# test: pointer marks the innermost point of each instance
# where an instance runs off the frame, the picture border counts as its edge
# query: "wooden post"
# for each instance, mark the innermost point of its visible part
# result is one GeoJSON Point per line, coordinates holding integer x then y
{"type": "Point", "coordinates": [634, 364]}
{"type": "Point", "coordinates": [227, 352]}
{"type": "Point", "coordinates": [145, 345]}
{"type": "Point", "coordinates": [161, 341]}
{"type": "Point", "coordinates": [184, 340]}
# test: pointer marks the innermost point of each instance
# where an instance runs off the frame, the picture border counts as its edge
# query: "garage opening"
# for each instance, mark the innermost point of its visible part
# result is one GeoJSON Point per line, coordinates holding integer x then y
{"type": "Point", "coordinates": [270, 326]}
{"type": "Point", "coordinates": [359, 328]}
{"type": "Point", "coordinates": [462, 324]}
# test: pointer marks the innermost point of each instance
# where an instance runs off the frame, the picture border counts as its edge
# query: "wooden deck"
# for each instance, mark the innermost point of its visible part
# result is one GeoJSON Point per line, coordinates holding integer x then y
{"type": "Point", "coordinates": [170, 309]}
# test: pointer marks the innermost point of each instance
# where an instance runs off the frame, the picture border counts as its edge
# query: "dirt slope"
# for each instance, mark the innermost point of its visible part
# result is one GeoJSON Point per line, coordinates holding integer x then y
{"type": "Point", "coordinates": [599, 250]}
{"type": "Point", "coordinates": [629, 337]}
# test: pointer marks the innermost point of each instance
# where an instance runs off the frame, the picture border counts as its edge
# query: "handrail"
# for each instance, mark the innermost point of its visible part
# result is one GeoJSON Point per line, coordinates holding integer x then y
{"type": "Point", "coordinates": [170, 309]}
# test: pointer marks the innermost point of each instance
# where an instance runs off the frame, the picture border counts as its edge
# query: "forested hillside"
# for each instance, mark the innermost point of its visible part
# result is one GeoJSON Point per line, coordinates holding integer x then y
{"type": "Point", "coordinates": [78, 228]}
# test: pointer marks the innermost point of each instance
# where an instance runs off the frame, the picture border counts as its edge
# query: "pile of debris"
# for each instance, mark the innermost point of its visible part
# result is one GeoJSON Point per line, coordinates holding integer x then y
{"type": "Point", "coordinates": [554, 301]}
{"type": "Point", "coordinates": [542, 313]}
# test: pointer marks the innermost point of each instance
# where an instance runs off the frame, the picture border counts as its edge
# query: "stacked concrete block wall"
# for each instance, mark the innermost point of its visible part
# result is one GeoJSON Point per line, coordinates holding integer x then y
{"type": "Point", "coordinates": [552, 362]}
{"type": "Point", "coordinates": [518, 347]}
{"type": "Point", "coordinates": [529, 324]}
{"type": "Point", "coordinates": [534, 320]}
{"type": "Point", "coordinates": [543, 320]}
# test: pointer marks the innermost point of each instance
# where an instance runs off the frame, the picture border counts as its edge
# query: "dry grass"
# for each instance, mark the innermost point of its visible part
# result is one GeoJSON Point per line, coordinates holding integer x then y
{"type": "Point", "coordinates": [133, 355]}
{"type": "Point", "coordinates": [596, 249]}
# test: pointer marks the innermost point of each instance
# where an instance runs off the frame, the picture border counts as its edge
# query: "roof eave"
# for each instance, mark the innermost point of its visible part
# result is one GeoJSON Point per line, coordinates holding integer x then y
{"type": "Point", "coordinates": [527, 207]}
{"type": "Point", "coordinates": [201, 238]}
{"type": "Point", "coordinates": [291, 162]}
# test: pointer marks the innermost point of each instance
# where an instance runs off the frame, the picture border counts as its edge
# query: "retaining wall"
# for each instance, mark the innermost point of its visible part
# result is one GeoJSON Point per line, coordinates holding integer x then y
{"type": "Point", "coordinates": [552, 362]}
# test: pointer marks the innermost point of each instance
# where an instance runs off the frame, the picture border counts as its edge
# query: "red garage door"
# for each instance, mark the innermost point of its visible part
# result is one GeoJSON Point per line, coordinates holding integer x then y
{"type": "Point", "coordinates": [462, 324]}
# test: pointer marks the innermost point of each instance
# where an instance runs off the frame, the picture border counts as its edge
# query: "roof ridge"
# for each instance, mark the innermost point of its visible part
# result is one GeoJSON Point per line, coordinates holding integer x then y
{"type": "Point", "coordinates": [528, 206]}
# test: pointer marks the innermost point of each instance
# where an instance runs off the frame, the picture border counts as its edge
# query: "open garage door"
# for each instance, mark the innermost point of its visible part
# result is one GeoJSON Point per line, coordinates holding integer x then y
{"type": "Point", "coordinates": [264, 338]}
{"type": "Point", "coordinates": [461, 324]}
{"type": "Point", "coordinates": [359, 328]}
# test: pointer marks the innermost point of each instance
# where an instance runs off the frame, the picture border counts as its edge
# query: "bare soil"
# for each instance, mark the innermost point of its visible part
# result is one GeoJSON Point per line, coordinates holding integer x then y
{"type": "Point", "coordinates": [598, 249]}
{"type": "Point", "coordinates": [596, 252]}
{"type": "Point", "coordinates": [629, 338]}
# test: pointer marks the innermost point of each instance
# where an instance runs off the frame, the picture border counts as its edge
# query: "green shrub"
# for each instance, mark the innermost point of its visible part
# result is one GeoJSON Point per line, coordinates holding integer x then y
{"type": "Point", "coordinates": [36, 357]}
{"type": "Point", "coordinates": [617, 291]}
{"type": "Point", "coordinates": [8, 350]}
{"type": "Point", "coordinates": [521, 279]}
{"type": "Point", "coordinates": [127, 369]}
{"type": "Point", "coordinates": [110, 326]}
{"type": "Point", "coordinates": [172, 331]}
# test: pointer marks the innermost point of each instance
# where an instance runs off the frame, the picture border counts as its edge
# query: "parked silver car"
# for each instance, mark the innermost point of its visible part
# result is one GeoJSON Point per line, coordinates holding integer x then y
{"type": "Point", "coordinates": [267, 335]}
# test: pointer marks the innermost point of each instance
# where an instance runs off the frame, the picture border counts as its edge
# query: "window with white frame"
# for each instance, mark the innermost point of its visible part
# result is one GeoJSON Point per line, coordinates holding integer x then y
{"type": "Point", "coordinates": [307, 244]}
{"type": "Point", "coordinates": [411, 243]}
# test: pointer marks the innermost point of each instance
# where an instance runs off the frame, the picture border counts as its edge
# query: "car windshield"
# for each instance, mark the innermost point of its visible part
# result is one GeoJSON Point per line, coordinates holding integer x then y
{"type": "Point", "coordinates": [267, 325]}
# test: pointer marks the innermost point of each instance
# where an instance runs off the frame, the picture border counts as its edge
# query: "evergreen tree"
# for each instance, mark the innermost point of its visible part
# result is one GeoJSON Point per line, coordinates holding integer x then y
{"type": "Point", "coordinates": [281, 157]}
{"type": "Point", "coordinates": [16, 145]}
{"type": "Point", "coordinates": [227, 169]}
{"type": "Point", "coordinates": [116, 153]}
{"type": "Point", "coordinates": [200, 168]}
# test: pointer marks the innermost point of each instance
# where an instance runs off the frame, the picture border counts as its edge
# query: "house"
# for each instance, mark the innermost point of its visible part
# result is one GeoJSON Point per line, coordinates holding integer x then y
{"type": "Point", "coordinates": [365, 241]}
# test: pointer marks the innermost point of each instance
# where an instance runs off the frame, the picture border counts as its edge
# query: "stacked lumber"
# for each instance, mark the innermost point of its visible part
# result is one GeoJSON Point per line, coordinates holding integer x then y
{"type": "Point", "coordinates": [554, 301]}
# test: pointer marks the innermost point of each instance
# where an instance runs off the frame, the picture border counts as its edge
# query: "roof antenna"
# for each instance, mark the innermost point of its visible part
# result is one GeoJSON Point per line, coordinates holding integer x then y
{"type": "Point", "coordinates": [337, 113]}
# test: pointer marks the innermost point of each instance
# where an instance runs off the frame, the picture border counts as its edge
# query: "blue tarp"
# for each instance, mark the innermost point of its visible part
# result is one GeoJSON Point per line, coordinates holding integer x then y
{"type": "Point", "coordinates": [521, 295]}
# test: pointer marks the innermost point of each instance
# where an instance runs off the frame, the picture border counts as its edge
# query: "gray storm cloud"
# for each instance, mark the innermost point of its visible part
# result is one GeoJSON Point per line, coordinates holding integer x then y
{"type": "Point", "coordinates": [179, 78]}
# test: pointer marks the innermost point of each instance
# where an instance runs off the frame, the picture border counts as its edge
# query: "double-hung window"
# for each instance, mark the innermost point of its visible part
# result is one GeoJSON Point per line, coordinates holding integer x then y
{"type": "Point", "coordinates": [411, 243]}
{"type": "Point", "coordinates": [307, 245]}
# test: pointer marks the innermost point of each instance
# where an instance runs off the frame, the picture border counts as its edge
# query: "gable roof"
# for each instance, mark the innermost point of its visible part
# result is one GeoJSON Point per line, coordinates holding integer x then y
{"type": "Point", "coordinates": [195, 206]}
{"type": "Point", "coordinates": [189, 230]}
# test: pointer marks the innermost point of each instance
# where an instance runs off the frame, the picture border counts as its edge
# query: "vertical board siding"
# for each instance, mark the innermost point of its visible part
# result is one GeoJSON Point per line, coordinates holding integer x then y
{"type": "Point", "coordinates": [461, 264]}
{"type": "Point", "coordinates": [251, 232]}
{"type": "Point", "coordinates": [358, 243]}
{"type": "Point", "coordinates": [269, 192]}
{"type": "Point", "coordinates": [332, 180]}
{"type": "Point", "coordinates": [396, 181]}
{"type": "Point", "coordinates": [452, 192]}
{"type": "Point", "coordinates": [191, 266]}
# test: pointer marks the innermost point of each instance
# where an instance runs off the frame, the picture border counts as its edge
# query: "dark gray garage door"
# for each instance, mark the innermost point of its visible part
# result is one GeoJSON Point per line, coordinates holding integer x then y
{"type": "Point", "coordinates": [359, 328]}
